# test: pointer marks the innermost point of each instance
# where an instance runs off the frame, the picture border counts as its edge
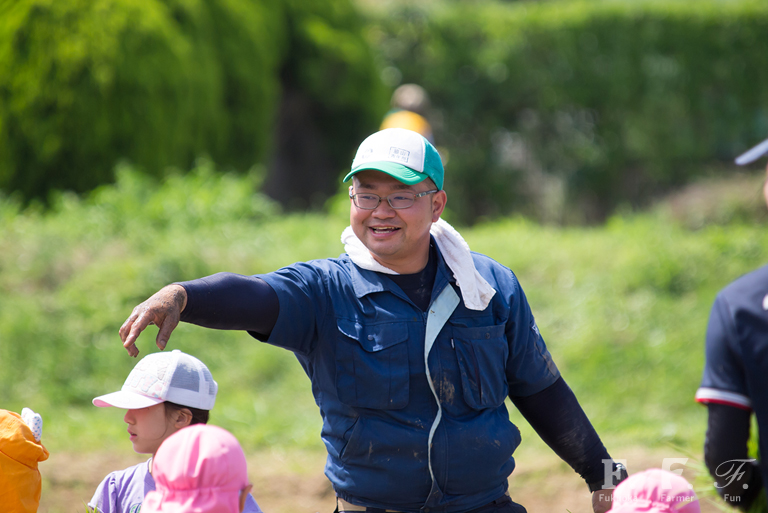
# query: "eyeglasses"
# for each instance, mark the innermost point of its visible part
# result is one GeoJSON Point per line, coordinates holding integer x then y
{"type": "Point", "coordinates": [396, 200]}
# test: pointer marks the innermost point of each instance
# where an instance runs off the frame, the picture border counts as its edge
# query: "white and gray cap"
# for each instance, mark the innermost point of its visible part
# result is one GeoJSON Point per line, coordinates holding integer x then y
{"type": "Point", "coordinates": [752, 154]}
{"type": "Point", "coordinates": [165, 376]}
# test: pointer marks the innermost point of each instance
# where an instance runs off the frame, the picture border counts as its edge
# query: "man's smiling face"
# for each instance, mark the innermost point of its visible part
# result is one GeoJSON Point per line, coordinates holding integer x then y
{"type": "Point", "coordinates": [397, 239]}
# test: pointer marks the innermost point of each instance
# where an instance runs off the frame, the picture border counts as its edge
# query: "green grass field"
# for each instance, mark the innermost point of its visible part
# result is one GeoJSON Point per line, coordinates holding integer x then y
{"type": "Point", "coordinates": [623, 307]}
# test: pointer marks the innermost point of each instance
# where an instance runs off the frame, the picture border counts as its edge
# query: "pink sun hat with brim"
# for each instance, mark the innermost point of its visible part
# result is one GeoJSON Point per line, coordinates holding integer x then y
{"type": "Point", "coordinates": [655, 491]}
{"type": "Point", "coordinates": [199, 468]}
{"type": "Point", "coordinates": [170, 376]}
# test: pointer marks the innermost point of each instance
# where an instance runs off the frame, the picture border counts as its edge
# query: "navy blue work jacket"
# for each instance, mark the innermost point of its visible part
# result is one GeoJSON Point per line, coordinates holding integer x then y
{"type": "Point", "coordinates": [361, 342]}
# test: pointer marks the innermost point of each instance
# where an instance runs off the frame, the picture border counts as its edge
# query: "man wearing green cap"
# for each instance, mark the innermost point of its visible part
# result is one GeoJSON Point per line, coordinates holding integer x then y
{"type": "Point", "coordinates": [412, 343]}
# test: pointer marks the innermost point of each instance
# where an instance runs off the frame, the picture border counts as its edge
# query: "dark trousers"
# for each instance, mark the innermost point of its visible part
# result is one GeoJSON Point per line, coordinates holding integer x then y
{"type": "Point", "coordinates": [503, 504]}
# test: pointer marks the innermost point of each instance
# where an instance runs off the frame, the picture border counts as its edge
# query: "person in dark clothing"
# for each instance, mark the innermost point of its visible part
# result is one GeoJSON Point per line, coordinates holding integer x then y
{"type": "Point", "coordinates": [735, 380]}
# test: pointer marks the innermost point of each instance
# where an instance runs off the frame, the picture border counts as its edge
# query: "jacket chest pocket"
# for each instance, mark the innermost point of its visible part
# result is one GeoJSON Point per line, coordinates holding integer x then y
{"type": "Point", "coordinates": [482, 355]}
{"type": "Point", "coordinates": [372, 365]}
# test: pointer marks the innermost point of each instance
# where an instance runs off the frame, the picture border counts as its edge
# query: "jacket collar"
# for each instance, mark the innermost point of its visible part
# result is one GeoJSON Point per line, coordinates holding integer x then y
{"type": "Point", "coordinates": [366, 282]}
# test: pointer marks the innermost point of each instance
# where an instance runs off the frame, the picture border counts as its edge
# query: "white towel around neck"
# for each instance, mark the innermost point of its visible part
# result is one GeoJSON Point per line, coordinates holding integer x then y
{"type": "Point", "coordinates": [475, 290]}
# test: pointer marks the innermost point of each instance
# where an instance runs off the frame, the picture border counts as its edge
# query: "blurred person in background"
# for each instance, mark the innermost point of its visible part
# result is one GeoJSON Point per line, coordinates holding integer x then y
{"type": "Point", "coordinates": [735, 380]}
{"type": "Point", "coordinates": [20, 452]}
{"type": "Point", "coordinates": [412, 343]}
{"type": "Point", "coordinates": [164, 393]}
{"type": "Point", "coordinates": [200, 468]}
{"type": "Point", "coordinates": [410, 104]}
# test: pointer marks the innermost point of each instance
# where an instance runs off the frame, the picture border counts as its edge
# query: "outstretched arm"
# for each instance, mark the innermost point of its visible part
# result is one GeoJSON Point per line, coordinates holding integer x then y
{"type": "Point", "coordinates": [222, 301]}
{"type": "Point", "coordinates": [228, 301]}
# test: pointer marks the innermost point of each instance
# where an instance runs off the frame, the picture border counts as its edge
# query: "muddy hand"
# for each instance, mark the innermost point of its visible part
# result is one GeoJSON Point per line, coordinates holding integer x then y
{"type": "Point", "coordinates": [602, 500]}
{"type": "Point", "coordinates": [162, 309]}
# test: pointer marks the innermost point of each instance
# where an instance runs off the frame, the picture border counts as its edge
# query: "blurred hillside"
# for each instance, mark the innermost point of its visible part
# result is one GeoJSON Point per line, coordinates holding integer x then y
{"type": "Point", "coordinates": [622, 307]}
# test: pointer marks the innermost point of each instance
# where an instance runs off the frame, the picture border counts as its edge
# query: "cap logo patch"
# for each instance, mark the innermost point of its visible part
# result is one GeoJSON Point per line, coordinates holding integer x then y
{"type": "Point", "coordinates": [148, 384]}
{"type": "Point", "coordinates": [399, 154]}
{"type": "Point", "coordinates": [148, 377]}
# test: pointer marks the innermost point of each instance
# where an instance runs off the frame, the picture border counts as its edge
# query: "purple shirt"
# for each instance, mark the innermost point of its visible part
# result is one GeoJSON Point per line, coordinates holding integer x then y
{"type": "Point", "coordinates": [123, 491]}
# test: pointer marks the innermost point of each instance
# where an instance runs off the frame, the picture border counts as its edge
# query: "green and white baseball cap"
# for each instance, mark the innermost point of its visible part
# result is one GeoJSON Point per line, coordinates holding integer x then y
{"type": "Point", "coordinates": [403, 154]}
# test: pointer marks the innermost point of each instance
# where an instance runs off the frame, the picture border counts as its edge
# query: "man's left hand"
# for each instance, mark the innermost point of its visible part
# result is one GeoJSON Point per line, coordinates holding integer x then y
{"type": "Point", "coordinates": [602, 500]}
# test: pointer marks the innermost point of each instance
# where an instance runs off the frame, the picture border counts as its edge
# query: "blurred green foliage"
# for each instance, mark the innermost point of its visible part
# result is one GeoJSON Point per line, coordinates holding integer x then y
{"type": "Point", "coordinates": [563, 111]}
{"type": "Point", "coordinates": [623, 308]}
{"type": "Point", "coordinates": [70, 274]}
{"type": "Point", "coordinates": [566, 110]}
{"type": "Point", "coordinates": [332, 98]}
{"type": "Point", "coordinates": [85, 83]}
{"type": "Point", "coordinates": [331, 61]}
{"type": "Point", "coordinates": [158, 83]}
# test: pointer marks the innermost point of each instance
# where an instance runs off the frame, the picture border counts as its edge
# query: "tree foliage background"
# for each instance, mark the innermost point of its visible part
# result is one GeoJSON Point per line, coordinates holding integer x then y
{"type": "Point", "coordinates": [566, 111]}
{"type": "Point", "coordinates": [84, 84]}
{"type": "Point", "coordinates": [563, 111]}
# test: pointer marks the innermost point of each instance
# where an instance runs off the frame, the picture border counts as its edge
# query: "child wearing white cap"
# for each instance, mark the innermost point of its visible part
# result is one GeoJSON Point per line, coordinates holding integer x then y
{"type": "Point", "coordinates": [164, 393]}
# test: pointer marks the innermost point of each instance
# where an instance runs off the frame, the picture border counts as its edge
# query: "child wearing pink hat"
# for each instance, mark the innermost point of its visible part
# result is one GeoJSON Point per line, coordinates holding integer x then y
{"type": "Point", "coordinates": [200, 468]}
{"type": "Point", "coordinates": [655, 491]}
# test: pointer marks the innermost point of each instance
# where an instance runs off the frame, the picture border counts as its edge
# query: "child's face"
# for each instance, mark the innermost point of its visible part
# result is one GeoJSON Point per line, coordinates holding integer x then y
{"type": "Point", "coordinates": [148, 428]}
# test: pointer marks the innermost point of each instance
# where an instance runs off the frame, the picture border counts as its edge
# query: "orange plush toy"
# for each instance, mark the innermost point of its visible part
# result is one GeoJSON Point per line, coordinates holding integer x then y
{"type": "Point", "coordinates": [20, 452]}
